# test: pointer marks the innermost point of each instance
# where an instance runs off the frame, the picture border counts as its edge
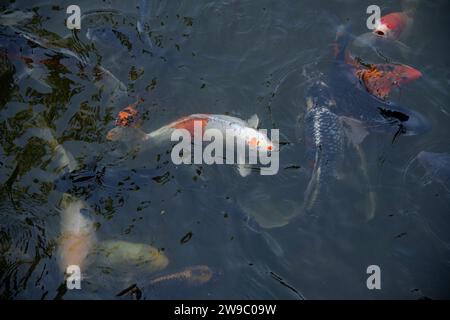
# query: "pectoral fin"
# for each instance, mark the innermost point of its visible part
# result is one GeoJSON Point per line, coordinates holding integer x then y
{"type": "Point", "coordinates": [244, 170]}
{"type": "Point", "coordinates": [354, 129]}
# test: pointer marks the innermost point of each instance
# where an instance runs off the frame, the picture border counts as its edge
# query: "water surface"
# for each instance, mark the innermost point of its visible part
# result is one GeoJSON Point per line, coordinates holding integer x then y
{"type": "Point", "coordinates": [232, 57]}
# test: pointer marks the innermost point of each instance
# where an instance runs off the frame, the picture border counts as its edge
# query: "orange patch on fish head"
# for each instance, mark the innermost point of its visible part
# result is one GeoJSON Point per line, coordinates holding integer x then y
{"type": "Point", "coordinates": [254, 142]}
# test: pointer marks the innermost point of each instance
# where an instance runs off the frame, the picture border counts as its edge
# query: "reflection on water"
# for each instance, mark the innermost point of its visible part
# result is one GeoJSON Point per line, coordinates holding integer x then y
{"type": "Point", "coordinates": [142, 227]}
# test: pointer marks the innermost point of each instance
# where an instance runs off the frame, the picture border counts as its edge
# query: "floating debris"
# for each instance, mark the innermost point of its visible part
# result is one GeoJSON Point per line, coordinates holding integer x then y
{"type": "Point", "coordinates": [133, 290]}
{"type": "Point", "coordinates": [186, 238]}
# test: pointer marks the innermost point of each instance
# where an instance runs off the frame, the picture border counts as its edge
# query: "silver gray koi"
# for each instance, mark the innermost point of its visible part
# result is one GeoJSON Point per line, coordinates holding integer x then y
{"type": "Point", "coordinates": [324, 141]}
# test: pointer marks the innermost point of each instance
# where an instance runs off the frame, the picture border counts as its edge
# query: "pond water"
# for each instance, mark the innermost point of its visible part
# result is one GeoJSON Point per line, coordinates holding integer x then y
{"type": "Point", "coordinates": [247, 237]}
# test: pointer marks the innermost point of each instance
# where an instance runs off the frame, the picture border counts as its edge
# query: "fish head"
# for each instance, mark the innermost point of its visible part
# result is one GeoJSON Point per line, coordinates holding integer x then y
{"type": "Point", "coordinates": [382, 30]}
{"type": "Point", "coordinates": [391, 26]}
{"type": "Point", "coordinates": [257, 139]}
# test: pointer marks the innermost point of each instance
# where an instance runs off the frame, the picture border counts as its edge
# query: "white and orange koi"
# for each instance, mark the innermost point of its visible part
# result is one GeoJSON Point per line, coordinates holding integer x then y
{"type": "Point", "coordinates": [245, 132]}
{"type": "Point", "coordinates": [77, 236]}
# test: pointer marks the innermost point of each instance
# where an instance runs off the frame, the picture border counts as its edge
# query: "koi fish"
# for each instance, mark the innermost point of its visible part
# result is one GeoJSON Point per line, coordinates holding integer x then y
{"type": "Point", "coordinates": [194, 275]}
{"type": "Point", "coordinates": [77, 235]}
{"type": "Point", "coordinates": [379, 79]}
{"type": "Point", "coordinates": [245, 132]}
{"type": "Point", "coordinates": [126, 254]}
{"type": "Point", "coordinates": [393, 25]}
{"type": "Point", "coordinates": [340, 107]}
{"type": "Point", "coordinates": [388, 33]}
{"type": "Point", "coordinates": [373, 113]}
{"type": "Point", "coordinates": [324, 141]}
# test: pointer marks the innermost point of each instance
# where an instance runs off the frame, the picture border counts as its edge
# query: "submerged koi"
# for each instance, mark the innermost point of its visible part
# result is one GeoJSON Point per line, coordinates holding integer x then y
{"type": "Point", "coordinates": [77, 235]}
{"type": "Point", "coordinates": [195, 275]}
{"type": "Point", "coordinates": [124, 254]}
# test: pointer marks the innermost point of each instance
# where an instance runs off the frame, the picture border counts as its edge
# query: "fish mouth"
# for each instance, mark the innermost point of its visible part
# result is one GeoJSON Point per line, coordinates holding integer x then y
{"type": "Point", "coordinates": [381, 31]}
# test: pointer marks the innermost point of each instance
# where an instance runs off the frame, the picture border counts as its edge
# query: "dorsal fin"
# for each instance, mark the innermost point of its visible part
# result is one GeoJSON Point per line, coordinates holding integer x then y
{"type": "Point", "coordinates": [253, 121]}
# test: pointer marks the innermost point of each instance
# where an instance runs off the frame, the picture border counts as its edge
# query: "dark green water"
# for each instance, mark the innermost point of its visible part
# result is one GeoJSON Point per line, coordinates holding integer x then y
{"type": "Point", "coordinates": [225, 57]}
